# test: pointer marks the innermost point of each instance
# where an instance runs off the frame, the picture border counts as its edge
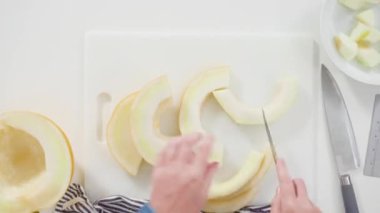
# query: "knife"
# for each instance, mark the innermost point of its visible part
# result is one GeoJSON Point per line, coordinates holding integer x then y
{"type": "Point", "coordinates": [273, 149]}
{"type": "Point", "coordinates": [341, 137]}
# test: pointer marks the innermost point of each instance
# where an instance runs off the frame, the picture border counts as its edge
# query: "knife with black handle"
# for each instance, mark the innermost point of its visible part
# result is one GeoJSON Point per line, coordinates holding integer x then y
{"type": "Point", "coordinates": [348, 194]}
{"type": "Point", "coordinates": [342, 138]}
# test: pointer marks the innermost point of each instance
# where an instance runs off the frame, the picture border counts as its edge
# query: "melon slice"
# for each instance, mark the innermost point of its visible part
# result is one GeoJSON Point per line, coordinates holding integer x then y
{"type": "Point", "coordinates": [284, 97]}
{"type": "Point", "coordinates": [266, 165]}
{"type": "Point", "coordinates": [119, 139]}
{"type": "Point", "coordinates": [241, 178]}
{"type": "Point", "coordinates": [146, 109]}
{"type": "Point", "coordinates": [196, 93]}
{"type": "Point", "coordinates": [245, 195]}
{"type": "Point", "coordinates": [347, 47]}
{"type": "Point", "coordinates": [36, 162]}
{"type": "Point", "coordinates": [354, 4]}
{"type": "Point", "coordinates": [368, 57]}
{"type": "Point", "coordinates": [231, 204]}
{"type": "Point", "coordinates": [366, 17]}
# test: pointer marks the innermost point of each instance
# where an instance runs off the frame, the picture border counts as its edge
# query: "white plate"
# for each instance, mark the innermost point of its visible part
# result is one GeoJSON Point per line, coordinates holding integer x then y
{"type": "Point", "coordinates": [336, 18]}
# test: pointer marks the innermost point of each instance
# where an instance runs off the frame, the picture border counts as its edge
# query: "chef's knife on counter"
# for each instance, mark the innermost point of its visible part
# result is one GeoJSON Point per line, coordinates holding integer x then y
{"type": "Point", "coordinates": [341, 137]}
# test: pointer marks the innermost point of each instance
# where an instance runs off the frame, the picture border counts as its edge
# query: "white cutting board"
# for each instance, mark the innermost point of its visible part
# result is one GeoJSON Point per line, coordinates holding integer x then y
{"type": "Point", "coordinates": [117, 64]}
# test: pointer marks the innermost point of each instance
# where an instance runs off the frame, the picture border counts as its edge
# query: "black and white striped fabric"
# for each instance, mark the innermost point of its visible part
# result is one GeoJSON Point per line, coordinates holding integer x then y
{"type": "Point", "coordinates": [75, 200]}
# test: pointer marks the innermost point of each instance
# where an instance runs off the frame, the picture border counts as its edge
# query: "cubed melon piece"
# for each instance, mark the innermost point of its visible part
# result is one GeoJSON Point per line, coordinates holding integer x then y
{"type": "Point", "coordinates": [368, 57]}
{"type": "Point", "coordinates": [373, 1]}
{"type": "Point", "coordinates": [366, 17]}
{"type": "Point", "coordinates": [346, 46]}
{"type": "Point", "coordinates": [373, 36]}
{"type": "Point", "coordinates": [354, 4]}
{"type": "Point", "coordinates": [360, 32]}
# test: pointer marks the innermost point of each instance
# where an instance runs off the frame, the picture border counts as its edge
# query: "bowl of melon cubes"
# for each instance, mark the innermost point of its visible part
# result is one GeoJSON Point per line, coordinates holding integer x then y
{"type": "Point", "coordinates": [350, 35]}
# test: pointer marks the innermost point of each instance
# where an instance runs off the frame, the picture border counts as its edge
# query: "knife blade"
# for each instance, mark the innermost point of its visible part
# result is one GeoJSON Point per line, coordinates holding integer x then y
{"type": "Point", "coordinates": [342, 137]}
{"type": "Point", "coordinates": [273, 149]}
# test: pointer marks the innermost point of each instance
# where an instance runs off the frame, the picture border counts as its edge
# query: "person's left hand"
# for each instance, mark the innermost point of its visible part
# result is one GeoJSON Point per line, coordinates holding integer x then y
{"type": "Point", "coordinates": [181, 177]}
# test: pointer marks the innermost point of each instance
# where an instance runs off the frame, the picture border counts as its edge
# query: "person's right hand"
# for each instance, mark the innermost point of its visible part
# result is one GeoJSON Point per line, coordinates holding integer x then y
{"type": "Point", "coordinates": [291, 196]}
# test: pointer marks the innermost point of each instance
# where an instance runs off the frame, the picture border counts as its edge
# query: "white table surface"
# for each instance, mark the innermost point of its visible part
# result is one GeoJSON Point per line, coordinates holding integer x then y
{"type": "Point", "coordinates": [41, 61]}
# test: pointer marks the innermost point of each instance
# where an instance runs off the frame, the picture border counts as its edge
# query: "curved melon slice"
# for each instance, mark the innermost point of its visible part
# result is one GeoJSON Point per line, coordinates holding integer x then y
{"type": "Point", "coordinates": [196, 93]}
{"type": "Point", "coordinates": [151, 100]}
{"type": "Point", "coordinates": [230, 204]}
{"type": "Point", "coordinates": [265, 166]}
{"type": "Point", "coordinates": [36, 162]}
{"type": "Point", "coordinates": [245, 195]}
{"type": "Point", "coordinates": [282, 100]}
{"type": "Point", "coordinates": [240, 179]}
{"type": "Point", "coordinates": [119, 137]}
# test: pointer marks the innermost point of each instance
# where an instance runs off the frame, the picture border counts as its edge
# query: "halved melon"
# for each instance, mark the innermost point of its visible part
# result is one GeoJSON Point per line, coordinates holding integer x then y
{"type": "Point", "coordinates": [119, 138]}
{"type": "Point", "coordinates": [284, 97]}
{"type": "Point", "coordinates": [36, 162]}
{"type": "Point", "coordinates": [196, 93]}
{"type": "Point", "coordinates": [146, 109]}
{"type": "Point", "coordinates": [240, 179]}
{"type": "Point", "coordinates": [245, 195]}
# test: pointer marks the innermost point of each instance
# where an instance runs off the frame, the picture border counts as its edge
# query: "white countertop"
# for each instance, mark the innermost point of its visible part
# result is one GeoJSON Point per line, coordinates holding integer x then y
{"type": "Point", "coordinates": [41, 60]}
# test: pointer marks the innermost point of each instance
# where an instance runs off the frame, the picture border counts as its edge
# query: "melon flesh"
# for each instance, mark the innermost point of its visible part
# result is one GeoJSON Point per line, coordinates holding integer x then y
{"type": "Point", "coordinates": [231, 204]}
{"type": "Point", "coordinates": [373, 1]}
{"type": "Point", "coordinates": [119, 138]}
{"type": "Point", "coordinates": [149, 103]}
{"type": "Point", "coordinates": [360, 32]}
{"type": "Point", "coordinates": [36, 162]}
{"type": "Point", "coordinates": [265, 166]}
{"type": "Point", "coordinates": [245, 195]}
{"type": "Point", "coordinates": [372, 37]}
{"type": "Point", "coordinates": [354, 4]}
{"type": "Point", "coordinates": [241, 178]}
{"type": "Point", "coordinates": [367, 17]}
{"type": "Point", "coordinates": [283, 98]}
{"type": "Point", "coordinates": [368, 57]}
{"type": "Point", "coordinates": [347, 47]}
{"type": "Point", "coordinates": [192, 101]}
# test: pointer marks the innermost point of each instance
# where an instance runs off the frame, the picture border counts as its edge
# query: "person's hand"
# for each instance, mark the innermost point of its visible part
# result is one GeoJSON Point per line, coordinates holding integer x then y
{"type": "Point", "coordinates": [291, 196]}
{"type": "Point", "coordinates": [181, 177]}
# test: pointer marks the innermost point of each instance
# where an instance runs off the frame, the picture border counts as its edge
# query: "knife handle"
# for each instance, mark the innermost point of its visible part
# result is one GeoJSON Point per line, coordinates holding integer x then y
{"type": "Point", "coordinates": [348, 193]}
